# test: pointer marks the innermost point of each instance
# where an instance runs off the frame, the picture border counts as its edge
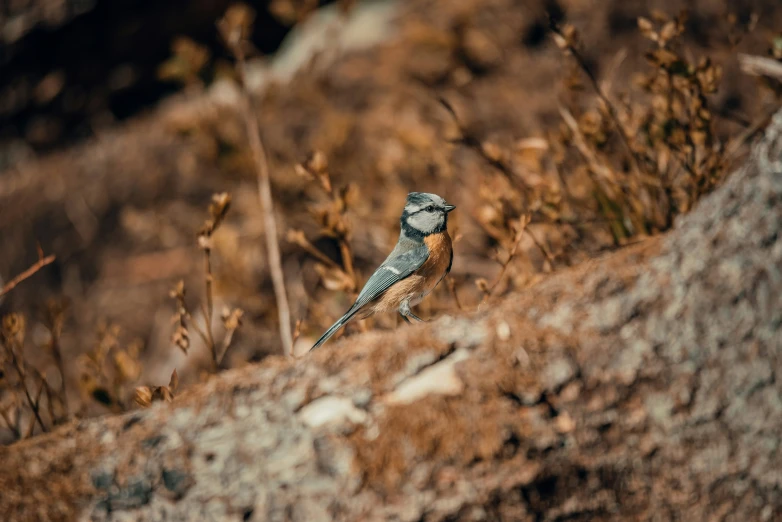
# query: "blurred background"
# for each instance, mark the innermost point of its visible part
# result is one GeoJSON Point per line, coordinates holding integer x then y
{"type": "Point", "coordinates": [561, 129]}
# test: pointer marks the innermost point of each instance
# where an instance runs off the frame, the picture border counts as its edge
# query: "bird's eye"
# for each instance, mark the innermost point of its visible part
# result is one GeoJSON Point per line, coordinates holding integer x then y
{"type": "Point", "coordinates": [429, 208]}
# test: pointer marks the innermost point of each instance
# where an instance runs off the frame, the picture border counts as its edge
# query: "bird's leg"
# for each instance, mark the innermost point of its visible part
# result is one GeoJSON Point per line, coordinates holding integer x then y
{"type": "Point", "coordinates": [417, 318]}
{"type": "Point", "coordinates": [406, 313]}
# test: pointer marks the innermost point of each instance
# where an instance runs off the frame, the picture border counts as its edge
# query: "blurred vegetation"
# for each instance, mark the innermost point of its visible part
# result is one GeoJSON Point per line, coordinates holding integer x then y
{"type": "Point", "coordinates": [553, 147]}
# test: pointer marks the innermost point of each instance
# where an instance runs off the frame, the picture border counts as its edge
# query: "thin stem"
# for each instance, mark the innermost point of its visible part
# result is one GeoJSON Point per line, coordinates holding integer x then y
{"type": "Point", "coordinates": [208, 338]}
{"type": "Point", "coordinates": [209, 308]}
{"type": "Point", "coordinates": [452, 287]}
{"type": "Point", "coordinates": [42, 262]}
{"type": "Point", "coordinates": [11, 426]}
{"type": "Point", "coordinates": [226, 344]}
{"type": "Point", "coordinates": [347, 261]}
{"type": "Point", "coordinates": [523, 222]}
{"type": "Point", "coordinates": [542, 249]}
{"type": "Point", "coordinates": [317, 254]}
{"type": "Point", "coordinates": [37, 407]}
{"type": "Point", "coordinates": [198, 329]}
{"type": "Point", "coordinates": [470, 141]}
{"type": "Point", "coordinates": [49, 392]}
{"type": "Point", "coordinates": [22, 377]}
{"type": "Point", "coordinates": [58, 361]}
{"type": "Point", "coordinates": [208, 280]}
{"type": "Point", "coordinates": [267, 205]}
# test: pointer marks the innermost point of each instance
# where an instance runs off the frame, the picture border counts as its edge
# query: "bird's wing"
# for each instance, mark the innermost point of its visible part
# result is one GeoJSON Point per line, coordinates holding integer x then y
{"type": "Point", "coordinates": [395, 268]}
{"type": "Point", "coordinates": [392, 270]}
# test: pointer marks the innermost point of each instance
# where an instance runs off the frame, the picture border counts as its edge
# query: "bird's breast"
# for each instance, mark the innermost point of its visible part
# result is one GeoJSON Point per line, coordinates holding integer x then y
{"type": "Point", "coordinates": [437, 264]}
{"type": "Point", "coordinates": [418, 285]}
{"type": "Point", "coordinates": [440, 255]}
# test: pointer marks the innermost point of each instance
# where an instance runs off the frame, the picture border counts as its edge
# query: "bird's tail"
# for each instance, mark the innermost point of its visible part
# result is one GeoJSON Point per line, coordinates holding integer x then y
{"type": "Point", "coordinates": [336, 326]}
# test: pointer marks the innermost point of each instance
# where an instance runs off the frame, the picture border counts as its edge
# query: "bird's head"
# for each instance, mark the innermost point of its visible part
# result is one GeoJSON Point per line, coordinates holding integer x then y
{"type": "Point", "coordinates": [425, 214]}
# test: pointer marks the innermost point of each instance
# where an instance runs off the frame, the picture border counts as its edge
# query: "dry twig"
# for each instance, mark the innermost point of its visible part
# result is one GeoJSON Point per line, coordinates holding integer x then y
{"type": "Point", "coordinates": [55, 319]}
{"type": "Point", "coordinates": [297, 237]}
{"type": "Point", "coordinates": [566, 40]}
{"type": "Point", "coordinates": [12, 331]}
{"type": "Point", "coordinates": [42, 262]}
{"type": "Point", "coordinates": [334, 221]}
{"type": "Point", "coordinates": [520, 229]}
{"type": "Point", "coordinates": [231, 319]}
{"type": "Point", "coordinates": [452, 288]}
{"type": "Point", "coordinates": [234, 28]}
{"type": "Point", "coordinates": [487, 151]}
{"type": "Point", "coordinates": [217, 211]}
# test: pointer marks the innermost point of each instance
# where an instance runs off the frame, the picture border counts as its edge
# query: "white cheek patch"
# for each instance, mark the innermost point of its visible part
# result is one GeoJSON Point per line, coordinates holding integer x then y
{"type": "Point", "coordinates": [392, 269]}
{"type": "Point", "coordinates": [425, 221]}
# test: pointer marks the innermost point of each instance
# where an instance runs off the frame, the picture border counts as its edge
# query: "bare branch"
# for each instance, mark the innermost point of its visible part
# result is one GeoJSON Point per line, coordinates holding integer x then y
{"type": "Point", "coordinates": [42, 262]}
{"type": "Point", "coordinates": [522, 227]}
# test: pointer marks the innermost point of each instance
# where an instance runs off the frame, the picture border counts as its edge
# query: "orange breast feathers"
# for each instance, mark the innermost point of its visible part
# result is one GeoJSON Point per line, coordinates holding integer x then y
{"type": "Point", "coordinates": [417, 285]}
{"type": "Point", "coordinates": [439, 261]}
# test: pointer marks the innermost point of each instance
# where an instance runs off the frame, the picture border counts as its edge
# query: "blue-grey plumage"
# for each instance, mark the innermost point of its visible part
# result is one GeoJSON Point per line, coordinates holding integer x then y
{"type": "Point", "coordinates": [420, 260]}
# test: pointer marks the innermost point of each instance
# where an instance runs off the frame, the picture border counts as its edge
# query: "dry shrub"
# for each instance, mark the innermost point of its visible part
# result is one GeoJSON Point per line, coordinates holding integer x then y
{"type": "Point", "coordinates": [109, 370]}
{"type": "Point", "coordinates": [653, 154]}
{"type": "Point", "coordinates": [643, 158]}
{"type": "Point", "coordinates": [519, 229]}
{"type": "Point", "coordinates": [30, 398]}
{"type": "Point", "coordinates": [183, 318]}
{"type": "Point", "coordinates": [332, 220]}
{"type": "Point", "coordinates": [24, 389]}
{"type": "Point", "coordinates": [33, 397]}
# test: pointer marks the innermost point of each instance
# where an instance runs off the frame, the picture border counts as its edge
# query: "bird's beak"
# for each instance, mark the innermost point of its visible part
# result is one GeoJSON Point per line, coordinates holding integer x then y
{"type": "Point", "coordinates": [449, 208]}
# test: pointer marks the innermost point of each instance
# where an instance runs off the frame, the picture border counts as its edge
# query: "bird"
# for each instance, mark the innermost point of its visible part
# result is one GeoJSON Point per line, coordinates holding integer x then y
{"type": "Point", "coordinates": [422, 257]}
